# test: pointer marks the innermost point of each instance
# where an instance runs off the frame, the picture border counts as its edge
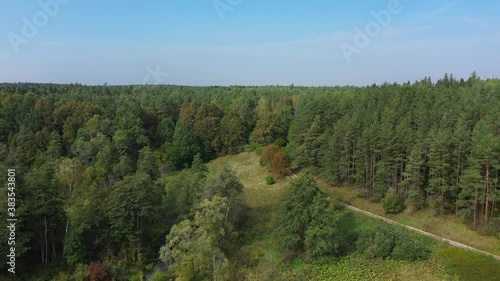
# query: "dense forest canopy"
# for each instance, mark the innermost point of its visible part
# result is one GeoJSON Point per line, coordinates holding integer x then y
{"type": "Point", "coordinates": [96, 165]}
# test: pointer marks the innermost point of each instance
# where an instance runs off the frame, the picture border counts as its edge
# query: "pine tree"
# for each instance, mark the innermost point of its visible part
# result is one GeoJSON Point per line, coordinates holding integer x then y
{"type": "Point", "coordinates": [439, 168]}
{"type": "Point", "coordinates": [478, 179]}
{"type": "Point", "coordinates": [413, 178]}
{"type": "Point", "coordinates": [311, 148]}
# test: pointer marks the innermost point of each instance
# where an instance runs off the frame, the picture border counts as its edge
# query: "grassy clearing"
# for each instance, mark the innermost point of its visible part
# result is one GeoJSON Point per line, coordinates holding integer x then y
{"type": "Point", "coordinates": [259, 197]}
{"type": "Point", "coordinates": [447, 226]}
{"type": "Point", "coordinates": [469, 266]}
{"type": "Point", "coordinates": [258, 257]}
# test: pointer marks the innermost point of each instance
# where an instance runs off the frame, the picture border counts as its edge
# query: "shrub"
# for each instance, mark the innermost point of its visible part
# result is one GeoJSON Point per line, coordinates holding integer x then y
{"type": "Point", "coordinates": [390, 242]}
{"type": "Point", "coordinates": [393, 204]}
{"type": "Point", "coordinates": [270, 180]}
{"type": "Point", "coordinates": [81, 273]}
{"type": "Point", "coordinates": [62, 276]}
{"type": "Point", "coordinates": [381, 244]}
{"type": "Point", "coordinates": [409, 249]}
{"type": "Point", "coordinates": [253, 148]}
{"type": "Point", "coordinates": [98, 271]}
{"type": "Point", "coordinates": [159, 276]}
{"type": "Point", "coordinates": [280, 142]}
{"type": "Point", "coordinates": [493, 228]}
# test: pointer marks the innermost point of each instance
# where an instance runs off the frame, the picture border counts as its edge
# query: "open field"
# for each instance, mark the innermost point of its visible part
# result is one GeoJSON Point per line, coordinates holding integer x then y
{"type": "Point", "coordinates": [257, 256]}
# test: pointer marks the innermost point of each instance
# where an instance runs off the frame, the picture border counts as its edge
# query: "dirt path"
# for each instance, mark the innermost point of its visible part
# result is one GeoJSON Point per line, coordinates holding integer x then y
{"type": "Point", "coordinates": [448, 241]}
{"type": "Point", "coordinates": [442, 239]}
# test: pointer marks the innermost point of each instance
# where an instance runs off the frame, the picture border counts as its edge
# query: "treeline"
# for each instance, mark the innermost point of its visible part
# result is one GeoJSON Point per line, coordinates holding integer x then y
{"type": "Point", "coordinates": [423, 144]}
{"type": "Point", "coordinates": [94, 163]}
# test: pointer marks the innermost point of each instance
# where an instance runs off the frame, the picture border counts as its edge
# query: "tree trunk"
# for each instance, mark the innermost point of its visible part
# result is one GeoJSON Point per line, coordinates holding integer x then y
{"type": "Point", "coordinates": [66, 234]}
{"type": "Point", "coordinates": [492, 209]}
{"type": "Point", "coordinates": [46, 241]}
{"type": "Point", "coordinates": [214, 266]}
{"type": "Point", "coordinates": [42, 252]}
{"type": "Point", "coordinates": [228, 208]}
{"type": "Point", "coordinates": [442, 184]}
{"type": "Point", "coordinates": [475, 210]}
{"type": "Point", "coordinates": [485, 224]}
{"type": "Point", "coordinates": [373, 173]}
{"type": "Point", "coordinates": [53, 246]}
{"type": "Point", "coordinates": [367, 170]}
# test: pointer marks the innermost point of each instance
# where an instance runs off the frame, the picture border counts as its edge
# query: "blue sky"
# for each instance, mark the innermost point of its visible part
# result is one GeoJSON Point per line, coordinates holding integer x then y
{"type": "Point", "coordinates": [251, 42]}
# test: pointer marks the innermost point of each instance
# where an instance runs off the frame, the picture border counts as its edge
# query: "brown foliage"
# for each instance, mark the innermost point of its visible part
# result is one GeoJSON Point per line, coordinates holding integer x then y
{"type": "Point", "coordinates": [98, 271]}
{"type": "Point", "coordinates": [266, 157]}
{"type": "Point", "coordinates": [187, 114]}
{"type": "Point", "coordinates": [280, 163]}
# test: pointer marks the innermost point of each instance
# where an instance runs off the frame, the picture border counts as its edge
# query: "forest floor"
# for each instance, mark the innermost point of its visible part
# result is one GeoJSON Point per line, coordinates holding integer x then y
{"type": "Point", "coordinates": [258, 257]}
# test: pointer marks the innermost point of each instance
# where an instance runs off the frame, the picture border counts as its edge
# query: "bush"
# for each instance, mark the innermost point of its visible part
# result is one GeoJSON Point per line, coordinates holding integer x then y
{"type": "Point", "coordinates": [81, 273]}
{"type": "Point", "coordinates": [159, 276]}
{"type": "Point", "coordinates": [393, 204]}
{"type": "Point", "coordinates": [409, 250]}
{"type": "Point", "coordinates": [253, 148]}
{"type": "Point", "coordinates": [493, 228]}
{"type": "Point", "coordinates": [270, 180]}
{"type": "Point", "coordinates": [98, 271]}
{"type": "Point", "coordinates": [379, 243]}
{"type": "Point", "coordinates": [280, 142]}
{"type": "Point", "coordinates": [62, 276]}
{"type": "Point", "coordinates": [390, 242]}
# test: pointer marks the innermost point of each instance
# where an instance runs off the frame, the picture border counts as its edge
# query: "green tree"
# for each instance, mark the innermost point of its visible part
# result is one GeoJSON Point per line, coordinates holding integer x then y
{"type": "Point", "coordinates": [232, 135]}
{"type": "Point", "coordinates": [439, 169]}
{"type": "Point", "coordinates": [225, 184]}
{"type": "Point", "coordinates": [477, 183]}
{"type": "Point", "coordinates": [312, 147]}
{"type": "Point", "coordinates": [193, 247]}
{"type": "Point", "coordinates": [43, 213]}
{"type": "Point", "coordinates": [413, 177]}
{"type": "Point", "coordinates": [184, 146]}
{"type": "Point", "coordinates": [207, 126]}
{"type": "Point", "coordinates": [292, 216]}
{"type": "Point", "coordinates": [165, 130]}
{"type": "Point", "coordinates": [133, 208]}
{"type": "Point", "coordinates": [183, 191]}
{"type": "Point", "coordinates": [323, 237]}
{"type": "Point", "coordinates": [69, 173]}
{"type": "Point", "coordinates": [147, 163]}
{"type": "Point", "coordinates": [129, 136]}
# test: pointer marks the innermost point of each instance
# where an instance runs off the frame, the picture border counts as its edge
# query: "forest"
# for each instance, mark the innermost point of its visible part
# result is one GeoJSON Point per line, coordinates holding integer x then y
{"type": "Point", "coordinates": [111, 181]}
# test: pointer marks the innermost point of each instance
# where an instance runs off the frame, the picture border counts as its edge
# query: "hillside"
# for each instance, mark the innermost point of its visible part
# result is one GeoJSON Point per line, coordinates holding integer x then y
{"type": "Point", "coordinates": [258, 258]}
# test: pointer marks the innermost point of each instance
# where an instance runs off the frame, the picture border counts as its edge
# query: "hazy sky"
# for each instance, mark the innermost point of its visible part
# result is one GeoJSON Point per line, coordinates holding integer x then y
{"type": "Point", "coordinates": [246, 42]}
